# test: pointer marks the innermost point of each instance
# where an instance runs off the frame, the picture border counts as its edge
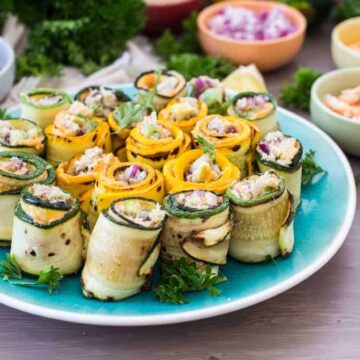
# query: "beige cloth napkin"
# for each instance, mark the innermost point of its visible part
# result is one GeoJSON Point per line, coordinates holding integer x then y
{"type": "Point", "coordinates": [138, 57]}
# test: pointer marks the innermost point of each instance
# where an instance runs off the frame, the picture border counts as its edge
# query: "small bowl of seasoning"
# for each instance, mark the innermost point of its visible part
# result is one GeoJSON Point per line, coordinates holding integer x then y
{"type": "Point", "coordinates": [266, 33]}
{"type": "Point", "coordinates": [345, 43]}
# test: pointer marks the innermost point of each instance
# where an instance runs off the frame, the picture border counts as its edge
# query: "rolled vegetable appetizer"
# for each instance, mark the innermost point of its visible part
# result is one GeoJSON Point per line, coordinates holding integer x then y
{"type": "Point", "coordinates": [198, 228]}
{"type": "Point", "coordinates": [233, 137]}
{"type": "Point", "coordinates": [184, 112]}
{"type": "Point", "coordinates": [49, 230]}
{"type": "Point", "coordinates": [41, 105]}
{"type": "Point", "coordinates": [17, 170]}
{"type": "Point", "coordinates": [21, 135]}
{"type": "Point", "coordinates": [259, 108]}
{"type": "Point", "coordinates": [102, 100]}
{"type": "Point", "coordinates": [168, 85]}
{"type": "Point", "coordinates": [282, 154]}
{"type": "Point", "coordinates": [154, 142]}
{"type": "Point", "coordinates": [196, 170]}
{"type": "Point", "coordinates": [123, 180]}
{"type": "Point", "coordinates": [263, 218]}
{"type": "Point", "coordinates": [123, 249]}
{"type": "Point", "coordinates": [212, 93]}
{"type": "Point", "coordinates": [78, 175]}
{"type": "Point", "coordinates": [74, 131]}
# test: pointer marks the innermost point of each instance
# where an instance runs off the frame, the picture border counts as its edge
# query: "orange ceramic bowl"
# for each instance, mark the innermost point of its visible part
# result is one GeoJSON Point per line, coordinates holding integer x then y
{"type": "Point", "coordinates": [266, 54]}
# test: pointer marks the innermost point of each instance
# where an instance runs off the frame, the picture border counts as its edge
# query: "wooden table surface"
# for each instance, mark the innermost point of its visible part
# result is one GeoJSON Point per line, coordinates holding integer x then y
{"type": "Point", "coordinates": [318, 319]}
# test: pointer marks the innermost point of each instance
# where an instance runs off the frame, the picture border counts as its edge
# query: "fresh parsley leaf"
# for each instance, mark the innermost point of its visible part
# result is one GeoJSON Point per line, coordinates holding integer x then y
{"type": "Point", "coordinates": [310, 168]}
{"type": "Point", "coordinates": [193, 65]}
{"type": "Point", "coordinates": [207, 147]}
{"type": "Point", "coordinates": [347, 9]}
{"type": "Point", "coordinates": [51, 279]}
{"type": "Point", "coordinates": [9, 268]}
{"type": "Point", "coordinates": [4, 114]}
{"type": "Point", "coordinates": [179, 277]}
{"type": "Point", "coordinates": [298, 93]}
{"type": "Point", "coordinates": [128, 114]}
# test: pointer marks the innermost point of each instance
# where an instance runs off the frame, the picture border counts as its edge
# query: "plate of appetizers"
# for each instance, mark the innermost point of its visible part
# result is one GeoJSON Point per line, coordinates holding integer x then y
{"type": "Point", "coordinates": [163, 201]}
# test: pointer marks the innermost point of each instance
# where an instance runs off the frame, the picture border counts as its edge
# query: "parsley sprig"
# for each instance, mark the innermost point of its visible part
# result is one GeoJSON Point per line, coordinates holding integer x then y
{"type": "Point", "coordinates": [4, 114]}
{"type": "Point", "coordinates": [11, 270]}
{"type": "Point", "coordinates": [179, 277]}
{"type": "Point", "coordinates": [310, 168]}
{"type": "Point", "coordinates": [207, 147]}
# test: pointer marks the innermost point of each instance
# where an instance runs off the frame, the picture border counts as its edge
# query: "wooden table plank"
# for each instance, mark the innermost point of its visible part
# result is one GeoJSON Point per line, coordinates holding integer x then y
{"type": "Point", "coordinates": [318, 319]}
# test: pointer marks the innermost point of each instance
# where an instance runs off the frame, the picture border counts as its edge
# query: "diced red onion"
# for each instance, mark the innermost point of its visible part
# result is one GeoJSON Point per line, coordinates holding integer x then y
{"type": "Point", "coordinates": [134, 170]}
{"type": "Point", "coordinates": [264, 147]}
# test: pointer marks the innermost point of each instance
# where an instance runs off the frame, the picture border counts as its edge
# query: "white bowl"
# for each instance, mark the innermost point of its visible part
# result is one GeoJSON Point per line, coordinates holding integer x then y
{"type": "Point", "coordinates": [7, 68]}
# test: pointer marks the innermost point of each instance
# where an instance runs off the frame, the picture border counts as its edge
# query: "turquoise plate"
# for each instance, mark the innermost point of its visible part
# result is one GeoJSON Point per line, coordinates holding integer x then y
{"type": "Point", "coordinates": [321, 226]}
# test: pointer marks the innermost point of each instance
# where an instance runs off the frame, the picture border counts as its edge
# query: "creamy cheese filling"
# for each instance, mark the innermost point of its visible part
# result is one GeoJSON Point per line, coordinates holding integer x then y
{"type": "Point", "coordinates": [254, 107]}
{"type": "Point", "coordinates": [278, 148]}
{"type": "Point", "coordinates": [185, 109]}
{"type": "Point", "coordinates": [167, 85]}
{"type": "Point", "coordinates": [256, 186]}
{"type": "Point", "coordinates": [203, 170]}
{"type": "Point", "coordinates": [44, 100]}
{"type": "Point", "coordinates": [102, 101]}
{"type": "Point", "coordinates": [131, 175]}
{"type": "Point", "coordinates": [151, 128]}
{"type": "Point", "coordinates": [50, 193]}
{"type": "Point", "coordinates": [12, 136]}
{"type": "Point", "coordinates": [88, 161]}
{"type": "Point", "coordinates": [149, 216]}
{"type": "Point", "coordinates": [16, 166]}
{"type": "Point", "coordinates": [199, 199]}
{"type": "Point", "coordinates": [222, 126]}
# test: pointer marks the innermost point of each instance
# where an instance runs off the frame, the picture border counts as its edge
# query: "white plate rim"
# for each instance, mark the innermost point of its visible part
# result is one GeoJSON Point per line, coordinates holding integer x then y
{"type": "Point", "coordinates": [221, 309]}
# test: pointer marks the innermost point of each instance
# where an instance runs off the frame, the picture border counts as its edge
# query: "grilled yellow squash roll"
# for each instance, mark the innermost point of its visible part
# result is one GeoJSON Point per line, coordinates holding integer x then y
{"type": "Point", "coordinates": [263, 218]}
{"type": "Point", "coordinates": [17, 170]}
{"type": "Point", "coordinates": [196, 170]}
{"type": "Point", "coordinates": [259, 108]}
{"type": "Point", "coordinates": [122, 180]}
{"type": "Point", "coordinates": [198, 228]}
{"type": "Point", "coordinates": [74, 131]}
{"type": "Point", "coordinates": [282, 154]}
{"type": "Point", "coordinates": [21, 135]}
{"type": "Point", "coordinates": [154, 142]}
{"type": "Point", "coordinates": [167, 84]}
{"type": "Point", "coordinates": [233, 137]}
{"type": "Point", "coordinates": [101, 99]}
{"type": "Point", "coordinates": [41, 105]}
{"type": "Point", "coordinates": [185, 112]}
{"type": "Point", "coordinates": [78, 175]}
{"type": "Point", "coordinates": [49, 230]}
{"type": "Point", "coordinates": [123, 249]}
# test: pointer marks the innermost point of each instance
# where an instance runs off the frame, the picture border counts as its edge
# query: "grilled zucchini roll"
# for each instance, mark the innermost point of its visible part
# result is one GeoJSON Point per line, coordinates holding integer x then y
{"type": "Point", "coordinates": [211, 92]}
{"type": "Point", "coordinates": [154, 142]}
{"type": "Point", "coordinates": [21, 135]}
{"type": "Point", "coordinates": [184, 112]}
{"type": "Point", "coordinates": [198, 228]}
{"type": "Point", "coordinates": [41, 105]}
{"type": "Point", "coordinates": [263, 218]}
{"type": "Point", "coordinates": [195, 170]}
{"type": "Point", "coordinates": [74, 131]}
{"type": "Point", "coordinates": [168, 85]}
{"type": "Point", "coordinates": [282, 154]}
{"type": "Point", "coordinates": [259, 108]}
{"type": "Point", "coordinates": [233, 137]}
{"type": "Point", "coordinates": [123, 180]}
{"type": "Point", "coordinates": [123, 249]}
{"type": "Point", "coordinates": [78, 175]}
{"type": "Point", "coordinates": [102, 100]}
{"type": "Point", "coordinates": [49, 230]}
{"type": "Point", "coordinates": [17, 170]}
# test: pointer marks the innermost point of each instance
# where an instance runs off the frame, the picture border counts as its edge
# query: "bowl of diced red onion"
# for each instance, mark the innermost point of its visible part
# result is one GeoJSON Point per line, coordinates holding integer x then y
{"type": "Point", "coordinates": [266, 33]}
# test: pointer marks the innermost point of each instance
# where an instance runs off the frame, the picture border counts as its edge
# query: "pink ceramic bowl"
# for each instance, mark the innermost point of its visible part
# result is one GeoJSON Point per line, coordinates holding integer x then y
{"type": "Point", "coordinates": [266, 54]}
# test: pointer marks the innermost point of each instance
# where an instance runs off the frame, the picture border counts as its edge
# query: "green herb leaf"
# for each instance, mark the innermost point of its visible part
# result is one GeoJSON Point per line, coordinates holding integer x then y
{"type": "Point", "coordinates": [298, 93]}
{"type": "Point", "coordinates": [179, 277]}
{"type": "Point", "coordinates": [310, 168]}
{"type": "Point", "coordinates": [347, 9]}
{"type": "Point", "coordinates": [51, 279]}
{"type": "Point", "coordinates": [128, 114]}
{"type": "Point", "coordinates": [9, 268]}
{"type": "Point", "coordinates": [207, 147]}
{"type": "Point", "coordinates": [4, 114]}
